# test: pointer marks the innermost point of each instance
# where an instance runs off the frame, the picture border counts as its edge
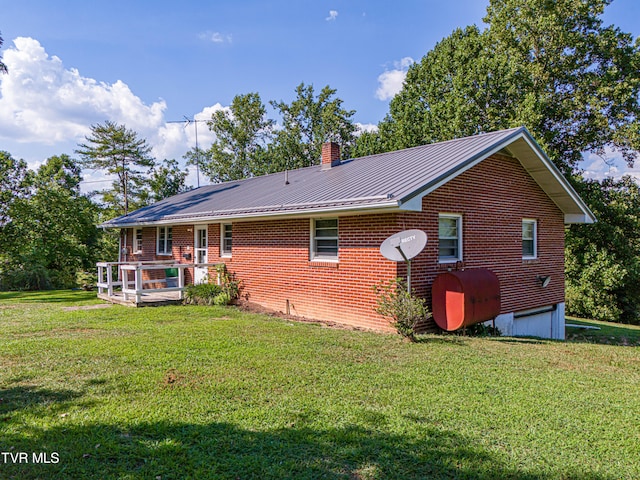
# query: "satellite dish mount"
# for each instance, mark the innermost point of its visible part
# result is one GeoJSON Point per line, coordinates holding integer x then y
{"type": "Point", "coordinates": [404, 246]}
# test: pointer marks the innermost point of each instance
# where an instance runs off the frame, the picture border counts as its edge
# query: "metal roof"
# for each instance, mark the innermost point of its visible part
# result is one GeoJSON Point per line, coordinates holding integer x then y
{"type": "Point", "coordinates": [388, 181]}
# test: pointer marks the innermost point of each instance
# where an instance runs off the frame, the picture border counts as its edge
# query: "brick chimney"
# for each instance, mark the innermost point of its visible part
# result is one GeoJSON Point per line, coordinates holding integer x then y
{"type": "Point", "coordinates": [330, 155]}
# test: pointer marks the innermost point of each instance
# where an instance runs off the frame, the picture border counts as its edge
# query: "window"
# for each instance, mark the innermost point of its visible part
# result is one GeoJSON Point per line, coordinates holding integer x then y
{"type": "Point", "coordinates": [164, 241]}
{"type": "Point", "coordinates": [137, 243]}
{"type": "Point", "coordinates": [324, 241]}
{"type": "Point", "coordinates": [226, 242]}
{"type": "Point", "coordinates": [449, 238]}
{"type": "Point", "coordinates": [529, 240]}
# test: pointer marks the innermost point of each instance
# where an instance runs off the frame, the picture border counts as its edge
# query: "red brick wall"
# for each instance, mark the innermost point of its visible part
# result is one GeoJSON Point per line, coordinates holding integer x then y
{"type": "Point", "coordinates": [182, 236]}
{"type": "Point", "coordinates": [271, 258]}
{"type": "Point", "coordinates": [493, 198]}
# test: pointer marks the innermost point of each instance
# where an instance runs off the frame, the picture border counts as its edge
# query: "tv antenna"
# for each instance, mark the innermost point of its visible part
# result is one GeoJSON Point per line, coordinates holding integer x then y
{"type": "Point", "coordinates": [188, 121]}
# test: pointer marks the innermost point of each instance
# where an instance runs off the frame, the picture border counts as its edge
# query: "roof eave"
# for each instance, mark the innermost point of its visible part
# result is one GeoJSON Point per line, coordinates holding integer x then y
{"type": "Point", "coordinates": [380, 207]}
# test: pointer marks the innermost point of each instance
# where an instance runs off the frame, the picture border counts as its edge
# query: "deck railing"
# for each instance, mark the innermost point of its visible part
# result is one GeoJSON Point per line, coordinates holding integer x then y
{"type": "Point", "coordinates": [129, 278]}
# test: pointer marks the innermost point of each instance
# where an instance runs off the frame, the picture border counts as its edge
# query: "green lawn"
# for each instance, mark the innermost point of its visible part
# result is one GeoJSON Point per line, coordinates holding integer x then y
{"type": "Point", "coordinates": [603, 332]}
{"type": "Point", "coordinates": [208, 392]}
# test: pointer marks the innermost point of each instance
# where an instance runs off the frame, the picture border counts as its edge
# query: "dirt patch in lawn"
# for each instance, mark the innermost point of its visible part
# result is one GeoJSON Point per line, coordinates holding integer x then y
{"type": "Point", "coordinates": [87, 307]}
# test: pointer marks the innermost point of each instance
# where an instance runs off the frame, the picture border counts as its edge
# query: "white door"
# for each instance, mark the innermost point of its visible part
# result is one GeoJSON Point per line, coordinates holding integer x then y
{"type": "Point", "coordinates": [200, 253]}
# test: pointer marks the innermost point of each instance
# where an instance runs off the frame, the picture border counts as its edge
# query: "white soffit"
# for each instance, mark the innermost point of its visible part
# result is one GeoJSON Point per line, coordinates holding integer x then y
{"type": "Point", "coordinates": [550, 180]}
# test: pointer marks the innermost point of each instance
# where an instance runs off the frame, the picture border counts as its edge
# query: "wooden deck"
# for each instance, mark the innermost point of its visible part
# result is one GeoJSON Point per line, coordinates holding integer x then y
{"type": "Point", "coordinates": [123, 283]}
{"type": "Point", "coordinates": [153, 299]}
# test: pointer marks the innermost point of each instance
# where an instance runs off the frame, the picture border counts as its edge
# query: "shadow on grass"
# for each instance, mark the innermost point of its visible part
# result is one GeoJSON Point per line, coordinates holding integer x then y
{"type": "Point", "coordinates": [221, 450]}
{"type": "Point", "coordinates": [441, 339]}
{"type": "Point", "coordinates": [48, 296]}
{"type": "Point", "coordinates": [24, 397]}
{"type": "Point", "coordinates": [522, 340]}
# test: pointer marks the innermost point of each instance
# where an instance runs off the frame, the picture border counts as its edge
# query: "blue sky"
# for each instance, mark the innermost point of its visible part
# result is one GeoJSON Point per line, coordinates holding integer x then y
{"type": "Point", "coordinates": [143, 63]}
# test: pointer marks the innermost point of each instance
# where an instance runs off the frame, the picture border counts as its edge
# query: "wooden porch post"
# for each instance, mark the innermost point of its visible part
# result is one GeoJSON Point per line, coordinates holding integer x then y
{"type": "Point", "coordinates": [124, 274]}
{"type": "Point", "coordinates": [138, 283]}
{"type": "Point", "coordinates": [109, 280]}
{"type": "Point", "coordinates": [181, 283]}
{"type": "Point", "coordinates": [100, 278]}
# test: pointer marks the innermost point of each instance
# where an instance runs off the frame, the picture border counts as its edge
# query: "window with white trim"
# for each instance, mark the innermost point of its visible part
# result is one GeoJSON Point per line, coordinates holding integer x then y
{"type": "Point", "coordinates": [137, 240]}
{"type": "Point", "coordinates": [165, 240]}
{"type": "Point", "coordinates": [226, 239]}
{"type": "Point", "coordinates": [449, 238]}
{"type": "Point", "coordinates": [324, 239]}
{"type": "Point", "coordinates": [529, 238]}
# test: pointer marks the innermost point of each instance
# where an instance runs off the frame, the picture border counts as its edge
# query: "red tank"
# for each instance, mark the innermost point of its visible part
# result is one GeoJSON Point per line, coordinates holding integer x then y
{"type": "Point", "coordinates": [460, 299]}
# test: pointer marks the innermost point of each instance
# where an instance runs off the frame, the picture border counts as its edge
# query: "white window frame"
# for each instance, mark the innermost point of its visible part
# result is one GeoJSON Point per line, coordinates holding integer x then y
{"type": "Point", "coordinates": [458, 218]}
{"type": "Point", "coordinates": [224, 251]}
{"type": "Point", "coordinates": [534, 222]}
{"type": "Point", "coordinates": [313, 248]}
{"type": "Point", "coordinates": [137, 242]}
{"type": "Point", "coordinates": [167, 245]}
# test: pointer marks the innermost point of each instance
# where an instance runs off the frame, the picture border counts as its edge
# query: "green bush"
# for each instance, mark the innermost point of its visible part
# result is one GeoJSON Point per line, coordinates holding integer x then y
{"type": "Point", "coordinates": [201, 294]}
{"type": "Point", "coordinates": [479, 330]}
{"type": "Point", "coordinates": [26, 277]}
{"type": "Point", "coordinates": [404, 309]}
{"type": "Point", "coordinates": [211, 293]}
{"type": "Point", "coordinates": [86, 280]}
{"type": "Point", "coordinates": [223, 298]}
{"type": "Point", "coordinates": [63, 279]}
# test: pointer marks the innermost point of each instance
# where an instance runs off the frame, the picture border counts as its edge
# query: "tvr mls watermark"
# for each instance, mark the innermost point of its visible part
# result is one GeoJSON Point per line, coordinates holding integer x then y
{"type": "Point", "coordinates": [33, 457]}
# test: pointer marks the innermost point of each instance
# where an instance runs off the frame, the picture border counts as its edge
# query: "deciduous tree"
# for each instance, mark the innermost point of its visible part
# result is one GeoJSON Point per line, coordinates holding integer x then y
{"type": "Point", "coordinates": [165, 180]}
{"type": "Point", "coordinates": [52, 232]}
{"type": "Point", "coordinates": [308, 122]}
{"type": "Point", "coordinates": [554, 67]}
{"type": "Point", "coordinates": [242, 133]}
{"type": "Point", "coordinates": [551, 66]}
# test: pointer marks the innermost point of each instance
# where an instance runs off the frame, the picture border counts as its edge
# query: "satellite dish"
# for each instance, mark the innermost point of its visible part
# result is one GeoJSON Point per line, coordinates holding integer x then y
{"type": "Point", "coordinates": [403, 246]}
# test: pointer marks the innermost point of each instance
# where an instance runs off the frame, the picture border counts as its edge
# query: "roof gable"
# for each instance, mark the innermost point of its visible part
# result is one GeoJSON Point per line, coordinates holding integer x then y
{"type": "Point", "coordinates": [385, 182]}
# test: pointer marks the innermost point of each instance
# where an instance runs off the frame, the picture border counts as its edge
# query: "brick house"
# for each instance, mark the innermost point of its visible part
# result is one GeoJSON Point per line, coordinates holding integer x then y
{"type": "Point", "coordinates": [308, 240]}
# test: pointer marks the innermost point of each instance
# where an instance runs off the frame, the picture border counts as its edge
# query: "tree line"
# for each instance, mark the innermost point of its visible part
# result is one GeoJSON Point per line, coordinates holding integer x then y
{"type": "Point", "coordinates": [48, 227]}
{"type": "Point", "coordinates": [553, 67]}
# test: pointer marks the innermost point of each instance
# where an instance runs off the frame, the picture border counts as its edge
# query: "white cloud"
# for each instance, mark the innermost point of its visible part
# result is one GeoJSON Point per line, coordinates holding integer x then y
{"type": "Point", "coordinates": [47, 109]}
{"type": "Point", "coordinates": [366, 127]}
{"type": "Point", "coordinates": [43, 102]}
{"type": "Point", "coordinates": [173, 140]}
{"type": "Point", "coordinates": [333, 14]}
{"type": "Point", "coordinates": [216, 37]}
{"type": "Point", "coordinates": [610, 164]}
{"type": "Point", "coordinates": [390, 82]}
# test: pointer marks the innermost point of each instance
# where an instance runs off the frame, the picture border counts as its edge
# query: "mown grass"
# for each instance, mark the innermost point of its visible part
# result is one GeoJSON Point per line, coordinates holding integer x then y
{"type": "Point", "coordinates": [605, 332]}
{"type": "Point", "coordinates": [213, 392]}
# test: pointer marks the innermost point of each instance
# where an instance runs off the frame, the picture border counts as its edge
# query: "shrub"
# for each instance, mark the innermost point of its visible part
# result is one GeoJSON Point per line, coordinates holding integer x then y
{"type": "Point", "coordinates": [87, 280]}
{"type": "Point", "coordinates": [211, 293]}
{"type": "Point", "coordinates": [25, 277]}
{"type": "Point", "coordinates": [404, 309]}
{"type": "Point", "coordinates": [223, 298]}
{"type": "Point", "coordinates": [63, 279]}
{"type": "Point", "coordinates": [201, 294]}
{"type": "Point", "coordinates": [230, 286]}
{"type": "Point", "coordinates": [479, 330]}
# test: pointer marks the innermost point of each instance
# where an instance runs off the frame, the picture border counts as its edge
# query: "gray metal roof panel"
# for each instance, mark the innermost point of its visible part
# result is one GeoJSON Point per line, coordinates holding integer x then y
{"type": "Point", "coordinates": [363, 181]}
